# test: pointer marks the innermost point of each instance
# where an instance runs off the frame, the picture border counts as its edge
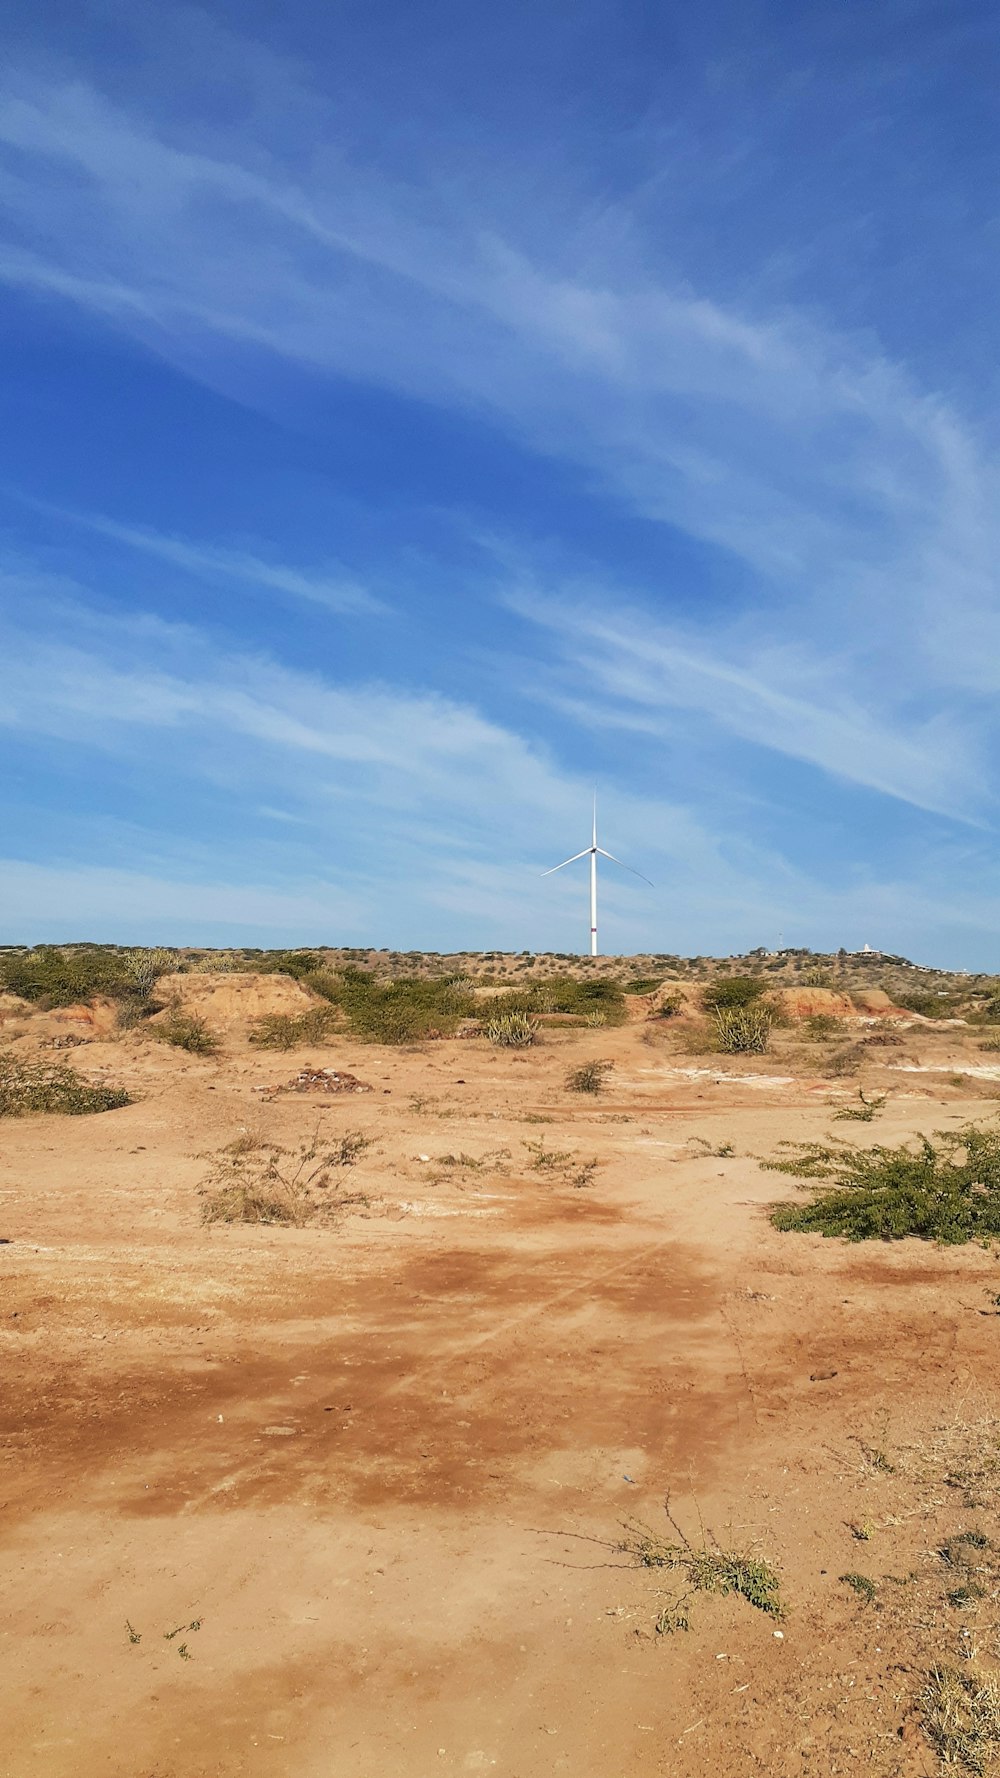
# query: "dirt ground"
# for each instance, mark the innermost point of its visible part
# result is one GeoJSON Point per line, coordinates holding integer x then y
{"type": "Point", "coordinates": [345, 1501]}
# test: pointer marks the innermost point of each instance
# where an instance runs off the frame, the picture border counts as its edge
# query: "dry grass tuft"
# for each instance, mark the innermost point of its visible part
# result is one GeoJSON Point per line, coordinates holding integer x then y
{"type": "Point", "coordinates": [961, 1717]}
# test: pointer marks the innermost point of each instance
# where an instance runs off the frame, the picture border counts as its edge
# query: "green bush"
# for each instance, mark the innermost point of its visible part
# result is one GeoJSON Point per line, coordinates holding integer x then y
{"type": "Point", "coordinates": [413, 1008]}
{"type": "Point", "coordinates": [527, 1000]}
{"type": "Point", "coordinates": [946, 1190]}
{"type": "Point", "coordinates": [589, 1078]}
{"type": "Point", "coordinates": [297, 964]}
{"type": "Point", "coordinates": [928, 1004]}
{"type": "Point", "coordinates": [188, 1031]}
{"type": "Point", "coordinates": [743, 1029]}
{"type": "Point", "coordinates": [52, 1086]}
{"type": "Point", "coordinates": [729, 991]}
{"type": "Point", "coordinates": [568, 996]}
{"type": "Point", "coordinates": [282, 1031]}
{"type": "Point", "coordinates": [406, 1010]}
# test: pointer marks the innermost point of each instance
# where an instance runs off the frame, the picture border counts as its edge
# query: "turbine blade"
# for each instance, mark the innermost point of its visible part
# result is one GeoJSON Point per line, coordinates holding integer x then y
{"type": "Point", "coordinates": [621, 861]}
{"type": "Point", "coordinates": [566, 861]}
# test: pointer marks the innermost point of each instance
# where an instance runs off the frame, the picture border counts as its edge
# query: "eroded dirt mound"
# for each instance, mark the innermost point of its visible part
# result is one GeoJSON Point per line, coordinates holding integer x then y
{"type": "Point", "coordinates": [878, 1001]}
{"type": "Point", "coordinates": [235, 999]}
{"type": "Point", "coordinates": [805, 1003]}
{"type": "Point", "coordinates": [13, 1009]}
{"type": "Point", "coordinates": [96, 1019]}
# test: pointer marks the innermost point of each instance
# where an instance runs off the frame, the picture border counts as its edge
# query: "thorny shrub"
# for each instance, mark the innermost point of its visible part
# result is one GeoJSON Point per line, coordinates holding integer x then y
{"type": "Point", "coordinates": [945, 1190]}
{"type": "Point", "coordinates": [52, 1086]}
{"type": "Point", "coordinates": [256, 1181]}
{"type": "Point", "coordinates": [187, 1031]}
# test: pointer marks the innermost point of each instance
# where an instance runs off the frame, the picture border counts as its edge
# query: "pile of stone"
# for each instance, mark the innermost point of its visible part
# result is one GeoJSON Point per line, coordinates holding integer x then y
{"type": "Point", "coordinates": [321, 1080]}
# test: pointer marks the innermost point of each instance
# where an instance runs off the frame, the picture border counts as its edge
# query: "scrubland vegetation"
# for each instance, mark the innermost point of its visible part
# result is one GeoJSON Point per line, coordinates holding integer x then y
{"type": "Point", "coordinates": [187, 1031]}
{"type": "Point", "coordinates": [412, 1009]}
{"type": "Point", "coordinates": [946, 1189]}
{"type": "Point", "coordinates": [63, 975]}
{"type": "Point", "coordinates": [52, 1086]}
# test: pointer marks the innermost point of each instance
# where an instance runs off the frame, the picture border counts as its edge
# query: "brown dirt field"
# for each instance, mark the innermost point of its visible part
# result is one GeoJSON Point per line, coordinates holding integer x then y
{"type": "Point", "coordinates": [357, 1488]}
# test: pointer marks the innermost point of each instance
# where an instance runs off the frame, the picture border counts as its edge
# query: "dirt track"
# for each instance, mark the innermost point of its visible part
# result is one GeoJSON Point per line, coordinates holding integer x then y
{"type": "Point", "coordinates": [384, 1466]}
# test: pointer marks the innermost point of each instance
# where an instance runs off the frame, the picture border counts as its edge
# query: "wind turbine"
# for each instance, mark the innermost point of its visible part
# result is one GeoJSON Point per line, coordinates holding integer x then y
{"type": "Point", "coordinates": [591, 852]}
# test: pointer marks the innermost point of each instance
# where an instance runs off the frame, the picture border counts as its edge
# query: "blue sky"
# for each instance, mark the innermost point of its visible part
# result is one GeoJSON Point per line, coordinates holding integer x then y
{"type": "Point", "coordinates": [413, 416]}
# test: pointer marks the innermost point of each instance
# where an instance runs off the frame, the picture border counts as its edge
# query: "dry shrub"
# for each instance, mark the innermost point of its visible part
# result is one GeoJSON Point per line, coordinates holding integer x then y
{"type": "Point", "coordinates": [563, 1165]}
{"type": "Point", "coordinates": [253, 1180]}
{"type": "Point", "coordinates": [704, 1570]}
{"type": "Point", "coordinates": [864, 1111]}
{"type": "Point", "coordinates": [590, 1077]}
{"type": "Point", "coordinates": [52, 1086]}
{"type": "Point", "coordinates": [845, 1061]}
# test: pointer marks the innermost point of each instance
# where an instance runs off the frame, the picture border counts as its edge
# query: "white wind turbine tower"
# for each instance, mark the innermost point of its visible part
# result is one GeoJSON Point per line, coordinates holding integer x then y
{"type": "Point", "coordinates": [591, 852]}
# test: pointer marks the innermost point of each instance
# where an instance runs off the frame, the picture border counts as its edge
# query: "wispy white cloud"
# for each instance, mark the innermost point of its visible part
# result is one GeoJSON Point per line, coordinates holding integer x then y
{"type": "Point", "coordinates": [630, 670]}
{"type": "Point", "coordinates": [42, 900]}
{"type": "Point", "coordinates": [390, 786]}
{"type": "Point", "coordinates": [795, 442]}
{"type": "Point", "coordinates": [861, 501]}
{"type": "Point", "coordinates": [334, 590]}
{"type": "Point", "coordinates": [257, 718]}
{"type": "Point", "coordinates": [415, 819]}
